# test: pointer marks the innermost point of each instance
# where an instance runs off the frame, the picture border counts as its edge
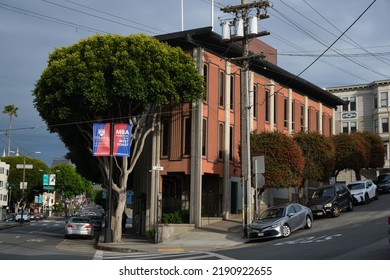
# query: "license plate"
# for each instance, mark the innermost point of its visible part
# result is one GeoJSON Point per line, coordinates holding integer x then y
{"type": "Point", "coordinates": [260, 234]}
{"type": "Point", "coordinates": [319, 214]}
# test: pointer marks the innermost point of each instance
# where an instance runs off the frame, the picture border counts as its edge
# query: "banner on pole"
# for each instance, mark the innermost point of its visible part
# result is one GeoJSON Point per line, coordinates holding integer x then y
{"type": "Point", "coordinates": [101, 139]}
{"type": "Point", "coordinates": [122, 134]}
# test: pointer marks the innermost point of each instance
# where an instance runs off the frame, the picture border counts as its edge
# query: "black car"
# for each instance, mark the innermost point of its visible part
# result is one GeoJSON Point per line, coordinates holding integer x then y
{"type": "Point", "coordinates": [97, 222]}
{"type": "Point", "coordinates": [330, 200]}
{"type": "Point", "coordinates": [383, 183]}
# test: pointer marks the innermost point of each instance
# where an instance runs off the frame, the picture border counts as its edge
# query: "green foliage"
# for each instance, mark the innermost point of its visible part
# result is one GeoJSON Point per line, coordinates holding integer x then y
{"type": "Point", "coordinates": [178, 217]}
{"type": "Point", "coordinates": [375, 149]}
{"type": "Point", "coordinates": [33, 177]}
{"type": "Point", "coordinates": [283, 158]}
{"type": "Point", "coordinates": [69, 182]}
{"type": "Point", "coordinates": [319, 154]}
{"type": "Point", "coordinates": [107, 77]}
{"type": "Point", "coordinates": [351, 152]}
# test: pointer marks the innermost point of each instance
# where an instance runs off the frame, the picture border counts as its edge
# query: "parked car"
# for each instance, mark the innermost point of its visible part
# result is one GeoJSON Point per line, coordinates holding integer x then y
{"type": "Point", "coordinates": [80, 227]}
{"type": "Point", "coordinates": [383, 183]}
{"type": "Point", "coordinates": [363, 191]}
{"type": "Point", "coordinates": [9, 217]}
{"type": "Point", "coordinates": [97, 222]}
{"type": "Point", "coordinates": [26, 216]}
{"type": "Point", "coordinates": [280, 221]}
{"type": "Point", "coordinates": [330, 200]}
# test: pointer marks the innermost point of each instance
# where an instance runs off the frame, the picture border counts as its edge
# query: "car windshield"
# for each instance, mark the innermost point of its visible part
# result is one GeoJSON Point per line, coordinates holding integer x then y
{"type": "Point", "coordinates": [273, 213]}
{"type": "Point", "coordinates": [79, 220]}
{"type": "Point", "coordinates": [357, 186]}
{"type": "Point", "coordinates": [381, 178]}
{"type": "Point", "coordinates": [323, 192]}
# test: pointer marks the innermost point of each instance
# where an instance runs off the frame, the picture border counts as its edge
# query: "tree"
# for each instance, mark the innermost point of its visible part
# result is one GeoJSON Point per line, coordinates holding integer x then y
{"type": "Point", "coordinates": [319, 154]}
{"type": "Point", "coordinates": [112, 78]}
{"type": "Point", "coordinates": [33, 177]}
{"type": "Point", "coordinates": [351, 153]}
{"type": "Point", "coordinates": [376, 149]}
{"type": "Point", "coordinates": [70, 183]}
{"type": "Point", "coordinates": [10, 110]}
{"type": "Point", "coordinates": [283, 159]}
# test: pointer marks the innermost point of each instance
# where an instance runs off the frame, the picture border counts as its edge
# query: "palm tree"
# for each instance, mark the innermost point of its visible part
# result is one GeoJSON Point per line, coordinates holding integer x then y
{"type": "Point", "coordinates": [11, 110]}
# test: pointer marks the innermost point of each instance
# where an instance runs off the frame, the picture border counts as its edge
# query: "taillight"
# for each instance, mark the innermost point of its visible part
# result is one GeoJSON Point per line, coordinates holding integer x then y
{"type": "Point", "coordinates": [87, 226]}
{"type": "Point", "coordinates": [69, 226]}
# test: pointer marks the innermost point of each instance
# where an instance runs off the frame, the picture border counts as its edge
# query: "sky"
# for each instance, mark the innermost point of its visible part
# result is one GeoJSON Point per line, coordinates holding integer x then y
{"type": "Point", "coordinates": [329, 43]}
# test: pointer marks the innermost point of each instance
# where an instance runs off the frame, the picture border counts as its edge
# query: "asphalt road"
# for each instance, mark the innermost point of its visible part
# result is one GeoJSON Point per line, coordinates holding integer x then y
{"type": "Point", "coordinates": [42, 240]}
{"type": "Point", "coordinates": [358, 235]}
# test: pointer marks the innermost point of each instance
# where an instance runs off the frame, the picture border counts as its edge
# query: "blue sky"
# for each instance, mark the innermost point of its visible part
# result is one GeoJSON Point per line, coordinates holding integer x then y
{"type": "Point", "coordinates": [300, 30]}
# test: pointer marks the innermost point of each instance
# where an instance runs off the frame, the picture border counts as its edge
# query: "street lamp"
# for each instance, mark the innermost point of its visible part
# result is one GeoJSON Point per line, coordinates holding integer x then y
{"type": "Point", "coordinates": [24, 180]}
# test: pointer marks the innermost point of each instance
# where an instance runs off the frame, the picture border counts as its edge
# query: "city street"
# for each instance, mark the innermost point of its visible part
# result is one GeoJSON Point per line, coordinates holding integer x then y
{"type": "Point", "coordinates": [357, 235]}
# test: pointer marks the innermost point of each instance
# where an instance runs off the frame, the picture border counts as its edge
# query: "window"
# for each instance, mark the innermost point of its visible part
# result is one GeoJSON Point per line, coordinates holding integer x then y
{"type": "Point", "coordinates": [165, 124]}
{"type": "Point", "coordinates": [266, 109]}
{"type": "Point", "coordinates": [231, 133]}
{"type": "Point", "coordinates": [330, 125]}
{"type": "Point", "coordinates": [285, 113]}
{"type": "Point", "coordinates": [1, 170]}
{"type": "Point", "coordinates": [232, 90]}
{"type": "Point", "coordinates": [206, 80]}
{"type": "Point", "coordinates": [352, 103]}
{"type": "Point", "coordinates": [386, 147]}
{"type": "Point", "coordinates": [385, 125]}
{"type": "Point", "coordinates": [204, 137]}
{"type": "Point", "coordinates": [187, 136]}
{"type": "Point", "coordinates": [345, 106]}
{"type": "Point", "coordinates": [221, 99]}
{"type": "Point", "coordinates": [375, 100]}
{"type": "Point", "coordinates": [293, 115]}
{"type": "Point", "coordinates": [308, 118]}
{"type": "Point", "coordinates": [220, 140]}
{"type": "Point", "coordinates": [302, 118]}
{"type": "Point", "coordinates": [255, 94]}
{"type": "Point", "coordinates": [345, 127]}
{"type": "Point", "coordinates": [384, 102]}
{"type": "Point", "coordinates": [275, 108]}
{"type": "Point", "coordinates": [376, 129]}
{"type": "Point", "coordinates": [349, 127]}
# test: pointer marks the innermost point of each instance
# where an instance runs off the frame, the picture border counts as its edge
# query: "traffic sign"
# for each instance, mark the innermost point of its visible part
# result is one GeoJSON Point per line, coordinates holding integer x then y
{"type": "Point", "coordinates": [158, 168]}
{"type": "Point", "coordinates": [24, 166]}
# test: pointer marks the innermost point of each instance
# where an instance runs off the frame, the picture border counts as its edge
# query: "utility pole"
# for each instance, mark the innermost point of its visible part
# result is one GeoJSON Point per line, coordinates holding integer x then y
{"type": "Point", "coordinates": [242, 20]}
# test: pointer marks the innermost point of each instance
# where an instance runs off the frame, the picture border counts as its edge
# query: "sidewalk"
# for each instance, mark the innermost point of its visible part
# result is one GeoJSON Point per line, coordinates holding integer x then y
{"type": "Point", "coordinates": [220, 235]}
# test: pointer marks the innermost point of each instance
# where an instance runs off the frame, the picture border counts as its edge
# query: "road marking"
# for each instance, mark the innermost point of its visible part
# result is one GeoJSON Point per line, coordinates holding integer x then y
{"type": "Point", "coordinates": [310, 239]}
{"type": "Point", "coordinates": [98, 255]}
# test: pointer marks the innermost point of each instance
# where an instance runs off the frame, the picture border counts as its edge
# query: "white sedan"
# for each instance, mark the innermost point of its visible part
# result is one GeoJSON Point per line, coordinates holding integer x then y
{"type": "Point", "coordinates": [363, 191]}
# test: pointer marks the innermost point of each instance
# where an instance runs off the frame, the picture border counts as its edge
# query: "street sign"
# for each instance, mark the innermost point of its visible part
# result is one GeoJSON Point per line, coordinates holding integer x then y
{"type": "Point", "coordinates": [23, 187]}
{"type": "Point", "coordinates": [50, 188]}
{"type": "Point", "coordinates": [157, 168]}
{"type": "Point", "coordinates": [24, 166]}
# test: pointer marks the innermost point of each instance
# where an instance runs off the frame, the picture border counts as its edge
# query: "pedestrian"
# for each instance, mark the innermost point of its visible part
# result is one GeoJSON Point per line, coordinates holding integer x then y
{"type": "Point", "coordinates": [124, 220]}
{"type": "Point", "coordinates": [137, 220]}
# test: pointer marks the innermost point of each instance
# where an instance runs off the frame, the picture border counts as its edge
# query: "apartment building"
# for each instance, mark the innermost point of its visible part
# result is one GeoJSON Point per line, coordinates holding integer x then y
{"type": "Point", "coordinates": [367, 109]}
{"type": "Point", "coordinates": [197, 145]}
{"type": "Point", "coordinates": [4, 194]}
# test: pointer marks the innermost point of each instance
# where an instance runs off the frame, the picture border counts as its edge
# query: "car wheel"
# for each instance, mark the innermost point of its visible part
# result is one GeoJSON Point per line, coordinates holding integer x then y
{"type": "Point", "coordinates": [366, 199]}
{"type": "Point", "coordinates": [350, 206]}
{"type": "Point", "coordinates": [336, 211]}
{"type": "Point", "coordinates": [309, 223]}
{"type": "Point", "coordinates": [376, 197]}
{"type": "Point", "coordinates": [286, 231]}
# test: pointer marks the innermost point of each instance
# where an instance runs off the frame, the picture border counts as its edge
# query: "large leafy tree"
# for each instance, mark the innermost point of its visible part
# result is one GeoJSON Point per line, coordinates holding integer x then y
{"type": "Point", "coordinates": [33, 178]}
{"type": "Point", "coordinates": [112, 78]}
{"type": "Point", "coordinates": [283, 159]}
{"type": "Point", "coordinates": [351, 152]}
{"type": "Point", "coordinates": [375, 149]}
{"type": "Point", "coordinates": [319, 154]}
{"type": "Point", "coordinates": [11, 111]}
